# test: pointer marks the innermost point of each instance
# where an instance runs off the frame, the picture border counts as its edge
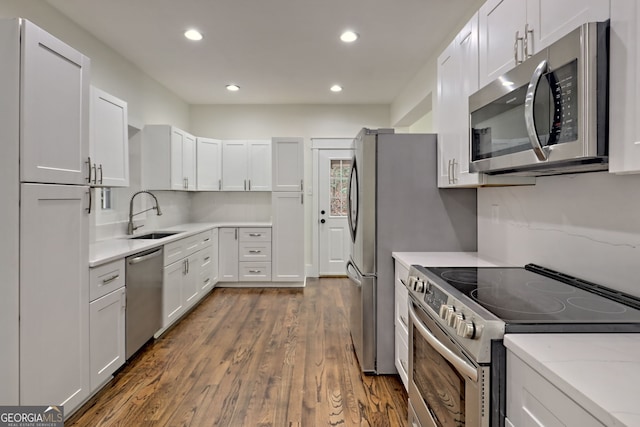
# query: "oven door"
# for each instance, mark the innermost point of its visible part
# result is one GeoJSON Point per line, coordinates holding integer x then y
{"type": "Point", "coordinates": [445, 386]}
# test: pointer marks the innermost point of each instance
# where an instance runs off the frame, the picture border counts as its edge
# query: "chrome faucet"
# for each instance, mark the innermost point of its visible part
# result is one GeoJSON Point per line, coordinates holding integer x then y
{"type": "Point", "coordinates": [130, 227]}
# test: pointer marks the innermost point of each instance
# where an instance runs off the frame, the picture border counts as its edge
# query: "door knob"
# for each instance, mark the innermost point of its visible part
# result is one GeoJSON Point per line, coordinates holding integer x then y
{"type": "Point", "coordinates": [322, 221]}
{"type": "Point", "coordinates": [322, 212]}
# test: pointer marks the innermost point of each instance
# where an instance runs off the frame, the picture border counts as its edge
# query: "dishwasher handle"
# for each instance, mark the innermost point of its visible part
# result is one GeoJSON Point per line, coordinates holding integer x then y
{"type": "Point", "coordinates": [144, 257]}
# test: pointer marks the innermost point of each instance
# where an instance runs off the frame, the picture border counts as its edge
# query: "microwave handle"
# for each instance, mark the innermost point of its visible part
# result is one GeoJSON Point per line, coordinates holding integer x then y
{"type": "Point", "coordinates": [528, 110]}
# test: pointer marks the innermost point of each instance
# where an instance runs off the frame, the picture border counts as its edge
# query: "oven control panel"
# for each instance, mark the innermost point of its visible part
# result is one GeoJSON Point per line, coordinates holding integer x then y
{"type": "Point", "coordinates": [463, 327]}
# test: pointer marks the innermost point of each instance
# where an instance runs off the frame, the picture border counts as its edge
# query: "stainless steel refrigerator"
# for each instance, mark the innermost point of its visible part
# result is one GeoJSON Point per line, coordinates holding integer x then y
{"type": "Point", "coordinates": [395, 206]}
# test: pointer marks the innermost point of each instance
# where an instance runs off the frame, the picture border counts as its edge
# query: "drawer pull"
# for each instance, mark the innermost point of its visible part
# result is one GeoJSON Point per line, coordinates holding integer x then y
{"type": "Point", "coordinates": [207, 258]}
{"type": "Point", "coordinates": [255, 234]}
{"type": "Point", "coordinates": [404, 365]}
{"type": "Point", "coordinates": [110, 279]}
{"type": "Point", "coordinates": [207, 280]}
{"type": "Point", "coordinates": [255, 271]}
{"type": "Point", "coordinates": [207, 239]}
{"type": "Point", "coordinates": [252, 251]}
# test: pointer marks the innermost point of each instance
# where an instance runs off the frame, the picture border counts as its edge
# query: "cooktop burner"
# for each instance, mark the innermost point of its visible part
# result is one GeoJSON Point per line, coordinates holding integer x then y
{"type": "Point", "coordinates": [529, 295]}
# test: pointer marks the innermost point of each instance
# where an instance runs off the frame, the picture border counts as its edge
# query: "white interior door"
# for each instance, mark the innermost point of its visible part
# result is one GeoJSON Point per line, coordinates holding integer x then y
{"type": "Point", "coordinates": [334, 241]}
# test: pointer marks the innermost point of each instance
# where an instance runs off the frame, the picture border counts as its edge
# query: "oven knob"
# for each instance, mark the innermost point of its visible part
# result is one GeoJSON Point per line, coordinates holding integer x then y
{"type": "Point", "coordinates": [457, 320]}
{"type": "Point", "coordinates": [410, 281]}
{"type": "Point", "coordinates": [419, 286]}
{"type": "Point", "coordinates": [444, 311]}
{"type": "Point", "coordinates": [466, 329]}
{"type": "Point", "coordinates": [452, 318]}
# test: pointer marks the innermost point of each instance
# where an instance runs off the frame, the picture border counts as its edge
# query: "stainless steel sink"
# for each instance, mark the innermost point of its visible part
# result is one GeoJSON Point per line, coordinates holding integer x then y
{"type": "Point", "coordinates": [156, 235]}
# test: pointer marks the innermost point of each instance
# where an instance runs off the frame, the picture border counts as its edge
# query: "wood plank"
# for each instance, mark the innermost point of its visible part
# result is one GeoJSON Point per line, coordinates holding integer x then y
{"type": "Point", "coordinates": [252, 357]}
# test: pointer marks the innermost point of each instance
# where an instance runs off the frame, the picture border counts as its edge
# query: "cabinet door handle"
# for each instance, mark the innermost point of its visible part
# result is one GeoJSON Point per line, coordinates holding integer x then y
{"type": "Point", "coordinates": [110, 279]}
{"type": "Point", "coordinates": [207, 258]}
{"type": "Point", "coordinates": [90, 202]}
{"type": "Point", "coordinates": [454, 179]}
{"type": "Point", "coordinates": [249, 185]}
{"type": "Point", "coordinates": [252, 251]}
{"type": "Point", "coordinates": [302, 185]}
{"type": "Point", "coordinates": [527, 32]}
{"type": "Point", "coordinates": [302, 198]}
{"type": "Point", "coordinates": [449, 171]}
{"type": "Point", "coordinates": [95, 174]}
{"type": "Point", "coordinates": [236, 234]}
{"type": "Point", "coordinates": [255, 234]}
{"type": "Point", "coordinates": [255, 271]}
{"type": "Point", "coordinates": [88, 162]}
{"type": "Point", "coordinates": [520, 41]}
{"type": "Point", "coordinates": [245, 185]}
{"type": "Point", "coordinates": [100, 169]}
{"type": "Point", "coordinates": [219, 184]}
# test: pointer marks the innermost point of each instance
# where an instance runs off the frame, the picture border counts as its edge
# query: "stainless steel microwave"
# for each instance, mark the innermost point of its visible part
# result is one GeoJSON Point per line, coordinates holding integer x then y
{"type": "Point", "coordinates": [549, 115]}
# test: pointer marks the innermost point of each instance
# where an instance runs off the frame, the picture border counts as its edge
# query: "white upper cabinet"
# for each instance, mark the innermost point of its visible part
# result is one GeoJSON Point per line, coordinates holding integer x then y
{"type": "Point", "coordinates": [513, 30]}
{"type": "Point", "coordinates": [287, 164]}
{"type": "Point", "coordinates": [259, 161]}
{"type": "Point", "coordinates": [54, 119]}
{"type": "Point", "coordinates": [457, 79]}
{"type": "Point", "coordinates": [246, 165]}
{"type": "Point", "coordinates": [109, 143]}
{"type": "Point", "coordinates": [234, 165]}
{"type": "Point", "coordinates": [168, 158]}
{"type": "Point", "coordinates": [624, 88]}
{"type": "Point", "coordinates": [209, 164]}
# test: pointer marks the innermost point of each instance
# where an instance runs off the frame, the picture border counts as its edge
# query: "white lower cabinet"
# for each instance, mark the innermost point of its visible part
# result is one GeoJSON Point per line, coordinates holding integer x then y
{"type": "Point", "coordinates": [188, 262]}
{"type": "Point", "coordinates": [107, 336]}
{"type": "Point", "coordinates": [54, 296]}
{"type": "Point", "coordinates": [288, 236]}
{"type": "Point", "coordinates": [401, 323]}
{"type": "Point", "coordinates": [245, 254]}
{"type": "Point", "coordinates": [534, 401]}
{"type": "Point", "coordinates": [228, 254]}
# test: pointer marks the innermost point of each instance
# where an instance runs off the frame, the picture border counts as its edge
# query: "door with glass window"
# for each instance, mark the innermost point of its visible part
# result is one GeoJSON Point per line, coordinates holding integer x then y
{"type": "Point", "coordinates": [334, 242]}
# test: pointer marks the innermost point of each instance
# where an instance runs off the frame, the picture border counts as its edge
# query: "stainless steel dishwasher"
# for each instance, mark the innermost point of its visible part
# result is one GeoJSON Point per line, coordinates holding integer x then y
{"type": "Point", "coordinates": [144, 298]}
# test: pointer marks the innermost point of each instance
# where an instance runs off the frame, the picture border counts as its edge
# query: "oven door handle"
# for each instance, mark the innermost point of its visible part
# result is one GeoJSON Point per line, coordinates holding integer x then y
{"type": "Point", "coordinates": [450, 356]}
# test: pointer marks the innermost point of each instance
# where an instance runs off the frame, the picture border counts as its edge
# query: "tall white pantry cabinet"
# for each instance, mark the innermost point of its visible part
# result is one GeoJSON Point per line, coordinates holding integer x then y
{"type": "Point", "coordinates": [44, 310]}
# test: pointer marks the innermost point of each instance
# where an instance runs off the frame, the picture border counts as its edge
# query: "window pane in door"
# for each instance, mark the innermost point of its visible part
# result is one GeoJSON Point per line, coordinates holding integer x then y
{"type": "Point", "coordinates": [339, 181]}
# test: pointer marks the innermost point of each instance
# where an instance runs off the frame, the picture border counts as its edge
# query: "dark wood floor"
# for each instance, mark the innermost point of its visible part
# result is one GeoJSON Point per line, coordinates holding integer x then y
{"type": "Point", "coordinates": [252, 357]}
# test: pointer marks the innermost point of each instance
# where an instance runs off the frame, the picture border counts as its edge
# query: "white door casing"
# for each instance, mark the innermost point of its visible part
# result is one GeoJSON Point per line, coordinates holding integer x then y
{"type": "Point", "coordinates": [334, 241]}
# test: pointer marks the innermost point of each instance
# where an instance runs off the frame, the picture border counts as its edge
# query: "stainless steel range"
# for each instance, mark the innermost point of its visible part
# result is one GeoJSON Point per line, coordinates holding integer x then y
{"type": "Point", "coordinates": [458, 318]}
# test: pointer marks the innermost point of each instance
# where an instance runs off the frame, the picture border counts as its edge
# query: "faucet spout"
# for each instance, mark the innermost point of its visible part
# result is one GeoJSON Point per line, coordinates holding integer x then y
{"type": "Point", "coordinates": [130, 226]}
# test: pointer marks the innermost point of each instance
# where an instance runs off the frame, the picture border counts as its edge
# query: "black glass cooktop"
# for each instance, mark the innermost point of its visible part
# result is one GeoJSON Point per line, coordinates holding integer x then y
{"type": "Point", "coordinates": [537, 295]}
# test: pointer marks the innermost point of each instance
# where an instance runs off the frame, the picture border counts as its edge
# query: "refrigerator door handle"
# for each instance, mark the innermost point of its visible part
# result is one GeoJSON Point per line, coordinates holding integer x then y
{"type": "Point", "coordinates": [356, 278]}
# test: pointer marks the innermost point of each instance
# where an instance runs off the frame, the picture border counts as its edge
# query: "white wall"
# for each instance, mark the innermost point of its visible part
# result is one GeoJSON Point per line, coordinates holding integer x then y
{"type": "Point", "coordinates": [586, 225]}
{"type": "Point", "coordinates": [266, 121]}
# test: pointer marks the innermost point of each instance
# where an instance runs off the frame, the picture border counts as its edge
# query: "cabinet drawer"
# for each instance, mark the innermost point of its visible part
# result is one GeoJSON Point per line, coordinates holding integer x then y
{"type": "Point", "coordinates": [183, 248]}
{"type": "Point", "coordinates": [259, 251]}
{"type": "Point", "coordinates": [255, 271]}
{"type": "Point", "coordinates": [255, 234]}
{"type": "Point", "coordinates": [106, 278]}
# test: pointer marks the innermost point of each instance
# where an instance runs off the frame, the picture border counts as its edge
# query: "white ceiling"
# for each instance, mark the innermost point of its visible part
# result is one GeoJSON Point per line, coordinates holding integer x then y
{"type": "Point", "coordinates": [277, 51]}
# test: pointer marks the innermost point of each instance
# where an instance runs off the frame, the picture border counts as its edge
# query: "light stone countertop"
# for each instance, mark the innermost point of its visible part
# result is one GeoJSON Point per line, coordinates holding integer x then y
{"type": "Point", "coordinates": [110, 250]}
{"type": "Point", "coordinates": [444, 259]}
{"type": "Point", "coordinates": [600, 372]}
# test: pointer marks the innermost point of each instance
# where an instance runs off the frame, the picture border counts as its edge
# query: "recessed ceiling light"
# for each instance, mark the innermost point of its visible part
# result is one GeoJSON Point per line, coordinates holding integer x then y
{"type": "Point", "coordinates": [233, 88]}
{"type": "Point", "coordinates": [336, 88]}
{"type": "Point", "coordinates": [194, 35]}
{"type": "Point", "coordinates": [349, 36]}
